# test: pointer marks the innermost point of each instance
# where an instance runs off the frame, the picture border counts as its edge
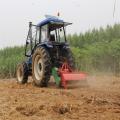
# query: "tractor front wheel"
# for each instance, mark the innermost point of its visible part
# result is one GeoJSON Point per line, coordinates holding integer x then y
{"type": "Point", "coordinates": [21, 73]}
{"type": "Point", "coordinates": [41, 67]}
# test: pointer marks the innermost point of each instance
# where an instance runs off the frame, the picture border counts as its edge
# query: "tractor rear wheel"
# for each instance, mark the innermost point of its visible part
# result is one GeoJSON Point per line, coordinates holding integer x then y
{"type": "Point", "coordinates": [41, 67]}
{"type": "Point", "coordinates": [21, 73]}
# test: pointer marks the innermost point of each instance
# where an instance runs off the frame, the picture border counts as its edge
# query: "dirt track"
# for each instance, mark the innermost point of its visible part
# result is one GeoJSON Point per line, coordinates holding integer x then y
{"type": "Point", "coordinates": [98, 100]}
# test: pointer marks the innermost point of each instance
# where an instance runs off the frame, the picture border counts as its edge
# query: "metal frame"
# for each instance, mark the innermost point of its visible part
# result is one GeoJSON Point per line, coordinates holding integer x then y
{"type": "Point", "coordinates": [29, 36]}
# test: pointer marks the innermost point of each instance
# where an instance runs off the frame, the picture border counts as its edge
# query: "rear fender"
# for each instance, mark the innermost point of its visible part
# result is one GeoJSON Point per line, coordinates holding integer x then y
{"type": "Point", "coordinates": [46, 45]}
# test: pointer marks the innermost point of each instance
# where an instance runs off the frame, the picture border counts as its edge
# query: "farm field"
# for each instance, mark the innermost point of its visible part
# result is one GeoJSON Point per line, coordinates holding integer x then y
{"type": "Point", "coordinates": [96, 52]}
{"type": "Point", "coordinates": [98, 99]}
{"type": "Point", "coordinates": [72, 47]}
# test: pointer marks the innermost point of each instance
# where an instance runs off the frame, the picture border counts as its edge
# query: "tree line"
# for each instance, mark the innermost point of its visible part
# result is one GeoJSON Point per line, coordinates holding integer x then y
{"type": "Point", "coordinates": [96, 50]}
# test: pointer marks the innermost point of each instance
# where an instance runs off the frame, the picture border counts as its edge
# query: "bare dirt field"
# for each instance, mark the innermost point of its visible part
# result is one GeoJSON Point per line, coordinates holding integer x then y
{"type": "Point", "coordinates": [99, 99]}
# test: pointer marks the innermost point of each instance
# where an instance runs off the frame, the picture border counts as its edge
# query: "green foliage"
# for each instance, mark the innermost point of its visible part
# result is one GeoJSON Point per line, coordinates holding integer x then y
{"type": "Point", "coordinates": [97, 50]}
{"type": "Point", "coordinates": [9, 58]}
{"type": "Point", "coordinates": [94, 51]}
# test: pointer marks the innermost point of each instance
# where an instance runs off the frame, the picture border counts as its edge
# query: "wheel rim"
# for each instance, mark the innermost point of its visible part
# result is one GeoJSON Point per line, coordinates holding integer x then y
{"type": "Point", "coordinates": [38, 68]}
{"type": "Point", "coordinates": [20, 74]}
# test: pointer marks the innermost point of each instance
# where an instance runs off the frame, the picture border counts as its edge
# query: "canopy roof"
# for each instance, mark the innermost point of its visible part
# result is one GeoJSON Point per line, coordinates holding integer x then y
{"type": "Point", "coordinates": [53, 21]}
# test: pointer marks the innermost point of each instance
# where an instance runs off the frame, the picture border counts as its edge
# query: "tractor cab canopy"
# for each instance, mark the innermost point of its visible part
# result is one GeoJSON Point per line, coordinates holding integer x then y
{"type": "Point", "coordinates": [53, 29]}
{"type": "Point", "coordinates": [54, 23]}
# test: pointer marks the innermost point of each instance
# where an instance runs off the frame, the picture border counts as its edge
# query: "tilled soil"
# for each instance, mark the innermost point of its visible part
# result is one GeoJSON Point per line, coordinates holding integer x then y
{"type": "Point", "coordinates": [97, 99]}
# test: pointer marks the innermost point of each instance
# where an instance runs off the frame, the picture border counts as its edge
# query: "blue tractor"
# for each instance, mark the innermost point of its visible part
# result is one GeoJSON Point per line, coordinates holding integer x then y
{"type": "Point", "coordinates": [46, 48]}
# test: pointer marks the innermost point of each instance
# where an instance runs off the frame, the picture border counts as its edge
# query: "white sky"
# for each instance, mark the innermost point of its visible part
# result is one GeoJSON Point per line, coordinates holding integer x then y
{"type": "Point", "coordinates": [85, 14]}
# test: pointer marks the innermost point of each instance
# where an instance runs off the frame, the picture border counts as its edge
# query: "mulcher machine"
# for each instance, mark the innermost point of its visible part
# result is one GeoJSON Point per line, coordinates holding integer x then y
{"type": "Point", "coordinates": [48, 53]}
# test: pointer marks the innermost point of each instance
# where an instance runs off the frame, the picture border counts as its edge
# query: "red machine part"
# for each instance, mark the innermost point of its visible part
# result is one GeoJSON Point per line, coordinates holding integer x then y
{"type": "Point", "coordinates": [67, 74]}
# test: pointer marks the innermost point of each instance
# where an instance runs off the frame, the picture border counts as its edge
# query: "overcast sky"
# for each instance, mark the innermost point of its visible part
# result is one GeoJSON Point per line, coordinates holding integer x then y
{"type": "Point", "coordinates": [85, 15]}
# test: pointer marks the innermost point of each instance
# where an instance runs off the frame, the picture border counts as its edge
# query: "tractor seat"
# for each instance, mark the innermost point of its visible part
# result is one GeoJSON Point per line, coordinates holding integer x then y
{"type": "Point", "coordinates": [52, 38]}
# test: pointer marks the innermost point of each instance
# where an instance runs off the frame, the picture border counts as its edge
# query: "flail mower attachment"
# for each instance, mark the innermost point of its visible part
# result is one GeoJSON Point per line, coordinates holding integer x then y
{"type": "Point", "coordinates": [65, 74]}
